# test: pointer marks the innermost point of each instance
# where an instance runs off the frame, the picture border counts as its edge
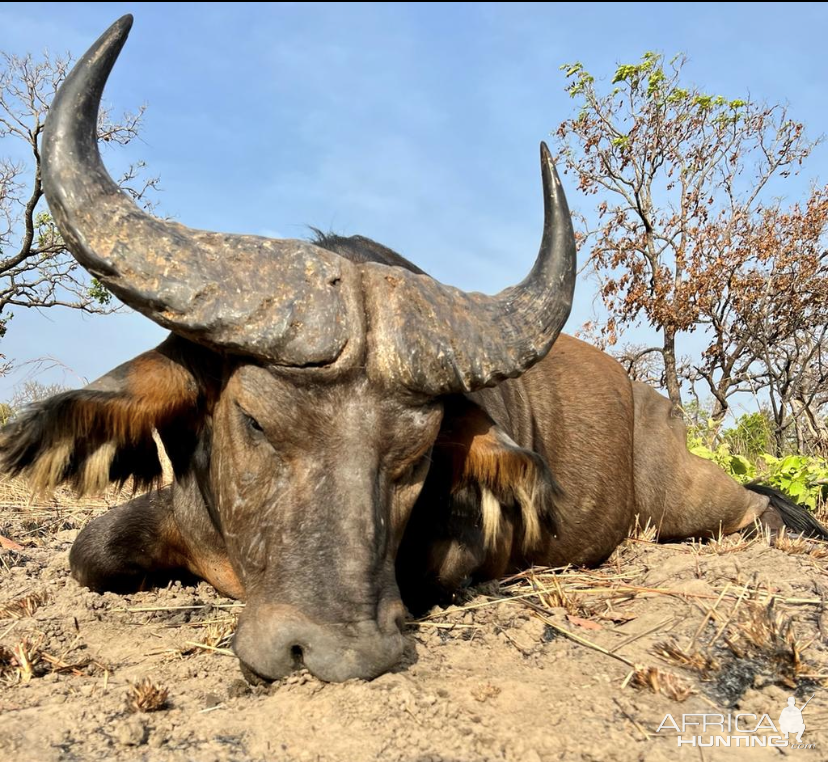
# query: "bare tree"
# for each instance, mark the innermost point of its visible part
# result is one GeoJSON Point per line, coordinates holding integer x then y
{"type": "Point", "coordinates": [641, 363]}
{"type": "Point", "coordinates": [33, 390]}
{"type": "Point", "coordinates": [36, 270]}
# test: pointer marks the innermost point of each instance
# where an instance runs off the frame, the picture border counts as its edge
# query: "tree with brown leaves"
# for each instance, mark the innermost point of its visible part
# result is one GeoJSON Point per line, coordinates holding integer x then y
{"type": "Point", "coordinates": [779, 312]}
{"type": "Point", "coordinates": [677, 174]}
{"type": "Point", "coordinates": [36, 270]}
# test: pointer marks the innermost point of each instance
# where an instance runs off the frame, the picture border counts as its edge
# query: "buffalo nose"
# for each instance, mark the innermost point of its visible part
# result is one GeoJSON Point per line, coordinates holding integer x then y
{"type": "Point", "coordinates": [272, 641]}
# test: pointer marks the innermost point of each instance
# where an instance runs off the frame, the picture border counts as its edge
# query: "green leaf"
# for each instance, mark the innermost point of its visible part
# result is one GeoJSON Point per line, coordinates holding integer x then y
{"type": "Point", "coordinates": [740, 465]}
{"type": "Point", "coordinates": [99, 292]}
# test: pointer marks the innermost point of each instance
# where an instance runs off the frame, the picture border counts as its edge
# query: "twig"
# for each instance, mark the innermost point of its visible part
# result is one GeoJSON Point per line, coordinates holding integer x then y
{"type": "Point", "coordinates": [513, 641]}
{"type": "Point", "coordinates": [541, 614]}
{"type": "Point", "coordinates": [730, 616]}
{"type": "Point", "coordinates": [707, 616]}
{"type": "Point", "coordinates": [211, 709]}
{"type": "Point", "coordinates": [635, 723]}
{"type": "Point", "coordinates": [444, 625]}
{"type": "Point", "coordinates": [223, 651]}
{"type": "Point", "coordinates": [9, 628]}
{"type": "Point", "coordinates": [668, 620]}
{"type": "Point", "coordinates": [142, 609]}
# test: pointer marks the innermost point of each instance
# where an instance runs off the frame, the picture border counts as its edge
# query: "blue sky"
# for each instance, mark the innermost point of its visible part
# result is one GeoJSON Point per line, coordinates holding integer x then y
{"type": "Point", "coordinates": [416, 125]}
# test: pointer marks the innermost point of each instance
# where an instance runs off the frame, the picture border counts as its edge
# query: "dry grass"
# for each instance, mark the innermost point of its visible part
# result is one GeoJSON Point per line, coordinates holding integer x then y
{"type": "Point", "coordinates": [798, 545]}
{"type": "Point", "coordinates": [552, 594]}
{"type": "Point", "coordinates": [146, 696]}
{"type": "Point", "coordinates": [729, 543]}
{"type": "Point", "coordinates": [27, 659]}
{"type": "Point", "coordinates": [741, 621]}
{"type": "Point", "coordinates": [743, 634]}
{"type": "Point", "coordinates": [23, 607]}
{"type": "Point", "coordinates": [762, 631]}
{"type": "Point", "coordinates": [783, 540]}
{"type": "Point", "coordinates": [216, 638]}
{"type": "Point", "coordinates": [753, 637]}
{"type": "Point", "coordinates": [218, 634]}
{"type": "Point", "coordinates": [545, 590]}
{"type": "Point", "coordinates": [10, 560]}
{"type": "Point", "coordinates": [657, 680]}
{"type": "Point", "coordinates": [689, 657]}
{"type": "Point", "coordinates": [646, 533]}
{"type": "Point", "coordinates": [795, 545]}
{"type": "Point", "coordinates": [28, 520]}
{"type": "Point", "coordinates": [21, 662]}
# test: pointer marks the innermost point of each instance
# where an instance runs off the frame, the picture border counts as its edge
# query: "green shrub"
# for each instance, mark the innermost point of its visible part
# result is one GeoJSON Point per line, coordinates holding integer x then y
{"type": "Point", "coordinates": [751, 436]}
{"type": "Point", "coordinates": [741, 451]}
{"type": "Point", "coordinates": [804, 479]}
{"type": "Point", "coordinates": [738, 466]}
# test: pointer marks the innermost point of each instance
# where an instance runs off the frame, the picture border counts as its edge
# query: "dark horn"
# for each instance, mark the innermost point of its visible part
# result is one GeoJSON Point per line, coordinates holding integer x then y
{"type": "Point", "coordinates": [285, 301]}
{"type": "Point", "coordinates": [458, 342]}
{"type": "Point", "coordinates": [282, 300]}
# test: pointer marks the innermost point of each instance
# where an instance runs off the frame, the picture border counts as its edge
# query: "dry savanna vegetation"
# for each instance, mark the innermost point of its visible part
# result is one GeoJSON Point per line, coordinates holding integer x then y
{"type": "Point", "coordinates": [548, 664]}
{"type": "Point", "coordinates": [687, 235]}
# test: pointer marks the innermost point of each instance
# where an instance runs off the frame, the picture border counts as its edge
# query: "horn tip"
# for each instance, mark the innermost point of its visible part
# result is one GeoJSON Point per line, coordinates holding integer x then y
{"type": "Point", "coordinates": [120, 29]}
{"type": "Point", "coordinates": [111, 41]}
{"type": "Point", "coordinates": [125, 22]}
{"type": "Point", "coordinates": [551, 179]}
{"type": "Point", "coordinates": [546, 157]}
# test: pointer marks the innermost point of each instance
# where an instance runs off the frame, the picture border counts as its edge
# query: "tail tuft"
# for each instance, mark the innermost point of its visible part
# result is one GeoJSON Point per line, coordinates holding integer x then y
{"type": "Point", "coordinates": [797, 518]}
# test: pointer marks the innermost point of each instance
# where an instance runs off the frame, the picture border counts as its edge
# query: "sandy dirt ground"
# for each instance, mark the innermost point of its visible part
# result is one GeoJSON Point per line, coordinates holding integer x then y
{"type": "Point", "coordinates": [570, 665]}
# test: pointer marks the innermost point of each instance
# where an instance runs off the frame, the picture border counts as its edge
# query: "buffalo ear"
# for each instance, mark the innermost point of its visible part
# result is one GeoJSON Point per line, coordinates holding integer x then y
{"type": "Point", "coordinates": [509, 481]}
{"type": "Point", "coordinates": [103, 434]}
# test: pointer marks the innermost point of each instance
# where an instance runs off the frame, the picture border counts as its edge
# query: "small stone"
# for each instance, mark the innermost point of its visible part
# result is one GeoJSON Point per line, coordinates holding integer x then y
{"type": "Point", "coordinates": [67, 535]}
{"type": "Point", "coordinates": [238, 688]}
{"type": "Point", "coordinates": [211, 700]}
{"type": "Point", "coordinates": [132, 732]}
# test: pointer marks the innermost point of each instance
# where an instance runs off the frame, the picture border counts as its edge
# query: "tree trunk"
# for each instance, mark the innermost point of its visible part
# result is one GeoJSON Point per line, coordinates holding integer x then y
{"type": "Point", "coordinates": [811, 429]}
{"type": "Point", "coordinates": [779, 441]}
{"type": "Point", "coordinates": [719, 410]}
{"type": "Point", "coordinates": [779, 431]}
{"type": "Point", "coordinates": [671, 380]}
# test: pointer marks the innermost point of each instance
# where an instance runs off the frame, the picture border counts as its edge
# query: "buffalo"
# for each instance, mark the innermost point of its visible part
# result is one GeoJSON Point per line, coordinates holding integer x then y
{"type": "Point", "coordinates": [345, 432]}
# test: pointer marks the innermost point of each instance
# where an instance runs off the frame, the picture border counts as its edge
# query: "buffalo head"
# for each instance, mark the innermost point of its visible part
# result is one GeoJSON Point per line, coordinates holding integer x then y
{"type": "Point", "coordinates": [299, 396]}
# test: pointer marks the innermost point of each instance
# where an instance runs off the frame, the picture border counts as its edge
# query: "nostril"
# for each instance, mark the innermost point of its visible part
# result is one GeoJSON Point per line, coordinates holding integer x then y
{"type": "Point", "coordinates": [298, 656]}
{"type": "Point", "coordinates": [399, 620]}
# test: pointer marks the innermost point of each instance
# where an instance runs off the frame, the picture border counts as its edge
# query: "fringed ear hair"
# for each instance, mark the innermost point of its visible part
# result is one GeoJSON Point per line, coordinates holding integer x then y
{"type": "Point", "coordinates": [512, 482]}
{"type": "Point", "coordinates": [102, 434]}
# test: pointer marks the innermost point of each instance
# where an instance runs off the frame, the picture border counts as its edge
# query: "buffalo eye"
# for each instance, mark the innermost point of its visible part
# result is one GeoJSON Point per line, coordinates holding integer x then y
{"type": "Point", "coordinates": [417, 465]}
{"type": "Point", "coordinates": [252, 425]}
